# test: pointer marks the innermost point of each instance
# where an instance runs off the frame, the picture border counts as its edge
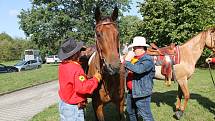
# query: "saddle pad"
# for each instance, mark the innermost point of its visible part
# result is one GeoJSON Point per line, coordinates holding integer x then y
{"type": "Point", "coordinates": [91, 57]}
{"type": "Point", "coordinates": [159, 60]}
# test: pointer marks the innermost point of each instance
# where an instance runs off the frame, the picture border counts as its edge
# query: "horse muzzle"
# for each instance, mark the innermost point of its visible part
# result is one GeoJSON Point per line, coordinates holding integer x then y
{"type": "Point", "coordinates": [111, 69]}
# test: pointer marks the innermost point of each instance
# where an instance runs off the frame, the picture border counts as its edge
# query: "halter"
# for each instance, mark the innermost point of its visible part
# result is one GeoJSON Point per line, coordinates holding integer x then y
{"type": "Point", "coordinates": [101, 57]}
{"type": "Point", "coordinates": [105, 23]}
{"type": "Point", "coordinates": [102, 61]}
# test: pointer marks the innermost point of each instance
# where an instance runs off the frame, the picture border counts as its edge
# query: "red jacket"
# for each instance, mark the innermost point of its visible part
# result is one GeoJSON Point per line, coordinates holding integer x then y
{"type": "Point", "coordinates": [73, 83]}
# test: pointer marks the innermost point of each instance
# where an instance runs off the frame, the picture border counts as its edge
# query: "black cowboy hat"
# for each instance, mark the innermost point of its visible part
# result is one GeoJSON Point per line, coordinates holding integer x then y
{"type": "Point", "coordinates": [69, 48]}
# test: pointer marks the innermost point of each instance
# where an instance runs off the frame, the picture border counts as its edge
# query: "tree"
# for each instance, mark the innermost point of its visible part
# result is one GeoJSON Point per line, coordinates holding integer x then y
{"type": "Point", "coordinates": [128, 26]}
{"type": "Point", "coordinates": [50, 22]}
{"type": "Point", "coordinates": [166, 21]}
{"type": "Point", "coordinates": [12, 49]}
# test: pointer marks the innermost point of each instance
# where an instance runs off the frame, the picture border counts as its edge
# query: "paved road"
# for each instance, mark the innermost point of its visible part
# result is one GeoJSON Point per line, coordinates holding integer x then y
{"type": "Point", "coordinates": [24, 104]}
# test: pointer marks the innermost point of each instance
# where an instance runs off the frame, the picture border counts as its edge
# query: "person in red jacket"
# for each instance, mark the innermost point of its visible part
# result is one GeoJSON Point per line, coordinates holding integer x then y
{"type": "Point", "coordinates": [74, 86]}
{"type": "Point", "coordinates": [210, 60]}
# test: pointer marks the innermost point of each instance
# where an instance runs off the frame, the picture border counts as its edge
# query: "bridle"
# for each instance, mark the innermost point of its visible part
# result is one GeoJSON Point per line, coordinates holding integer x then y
{"type": "Point", "coordinates": [103, 62]}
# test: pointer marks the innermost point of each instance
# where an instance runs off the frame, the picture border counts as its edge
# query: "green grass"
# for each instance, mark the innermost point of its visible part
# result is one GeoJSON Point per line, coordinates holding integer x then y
{"type": "Point", "coordinates": [18, 80]}
{"type": "Point", "coordinates": [201, 106]}
{"type": "Point", "coordinates": [49, 114]}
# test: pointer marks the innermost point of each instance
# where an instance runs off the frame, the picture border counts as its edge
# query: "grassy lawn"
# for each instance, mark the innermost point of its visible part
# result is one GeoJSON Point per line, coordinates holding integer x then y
{"type": "Point", "coordinates": [18, 80]}
{"type": "Point", "coordinates": [201, 106]}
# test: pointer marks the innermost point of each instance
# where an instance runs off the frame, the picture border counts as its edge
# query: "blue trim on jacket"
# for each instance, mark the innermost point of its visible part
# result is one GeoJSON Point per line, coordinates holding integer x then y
{"type": "Point", "coordinates": [144, 72]}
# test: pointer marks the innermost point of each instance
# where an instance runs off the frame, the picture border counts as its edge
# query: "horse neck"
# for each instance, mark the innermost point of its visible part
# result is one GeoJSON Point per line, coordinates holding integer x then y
{"type": "Point", "coordinates": [191, 51]}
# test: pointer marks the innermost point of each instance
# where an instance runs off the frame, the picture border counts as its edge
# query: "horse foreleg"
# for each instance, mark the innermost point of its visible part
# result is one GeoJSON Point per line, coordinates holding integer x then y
{"type": "Point", "coordinates": [182, 89]}
{"type": "Point", "coordinates": [179, 97]}
{"type": "Point", "coordinates": [120, 107]}
{"type": "Point", "coordinates": [186, 96]}
{"type": "Point", "coordinates": [98, 110]}
{"type": "Point", "coordinates": [178, 112]}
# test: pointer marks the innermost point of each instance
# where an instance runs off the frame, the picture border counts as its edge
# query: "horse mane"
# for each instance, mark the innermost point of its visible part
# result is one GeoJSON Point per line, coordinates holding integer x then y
{"type": "Point", "coordinates": [203, 35]}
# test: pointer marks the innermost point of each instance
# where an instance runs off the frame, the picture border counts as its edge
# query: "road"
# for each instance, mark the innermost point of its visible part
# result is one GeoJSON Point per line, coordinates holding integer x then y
{"type": "Point", "coordinates": [24, 104]}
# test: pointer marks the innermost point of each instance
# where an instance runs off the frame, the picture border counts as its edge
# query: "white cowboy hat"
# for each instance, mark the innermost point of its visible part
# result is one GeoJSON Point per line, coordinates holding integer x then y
{"type": "Point", "coordinates": [139, 41]}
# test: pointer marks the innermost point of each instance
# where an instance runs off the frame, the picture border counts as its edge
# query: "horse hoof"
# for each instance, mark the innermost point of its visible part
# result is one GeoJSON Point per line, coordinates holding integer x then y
{"type": "Point", "coordinates": [178, 114]}
{"type": "Point", "coordinates": [166, 83]}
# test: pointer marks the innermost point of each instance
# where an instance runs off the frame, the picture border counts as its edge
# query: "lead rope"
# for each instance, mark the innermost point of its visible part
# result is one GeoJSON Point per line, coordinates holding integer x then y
{"type": "Point", "coordinates": [101, 66]}
{"type": "Point", "coordinates": [209, 67]}
{"type": "Point", "coordinates": [211, 73]}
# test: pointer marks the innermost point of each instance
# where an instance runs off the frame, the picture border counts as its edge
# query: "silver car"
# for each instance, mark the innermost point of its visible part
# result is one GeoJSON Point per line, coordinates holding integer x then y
{"type": "Point", "coordinates": [28, 65]}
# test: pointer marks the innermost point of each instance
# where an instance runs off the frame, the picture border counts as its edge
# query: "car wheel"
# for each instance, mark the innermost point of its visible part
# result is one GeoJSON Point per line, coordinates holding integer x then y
{"type": "Point", "coordinates": [22, 69]}
{"type": "Point", "coordinates": [38, 66]}
{"type": "Point", "coordinates": [12, 70]}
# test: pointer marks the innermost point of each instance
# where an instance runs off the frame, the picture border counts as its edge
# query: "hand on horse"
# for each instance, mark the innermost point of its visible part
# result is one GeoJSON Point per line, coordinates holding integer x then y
{"type": "Point", "coordinates": [129, 56]}
{"type": "Point", "coordinates": [208, 60]}
{"type": "Point", "coordinates": [98, 76]}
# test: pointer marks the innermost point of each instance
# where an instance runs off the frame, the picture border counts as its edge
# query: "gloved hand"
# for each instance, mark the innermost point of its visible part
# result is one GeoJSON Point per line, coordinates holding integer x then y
{"type": "Point", "coordinates": [208, 60]}
{"type": "Point", "coordinates": [129, 56]}
{"type": "Point", "coordinates": [98, 76]}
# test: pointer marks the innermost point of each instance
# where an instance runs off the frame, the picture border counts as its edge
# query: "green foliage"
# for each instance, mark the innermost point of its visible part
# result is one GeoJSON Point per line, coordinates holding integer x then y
{"type": "Point", "coordinates": [128, 26]}
{"type": "Point", "coordinates": [12, 49]}
{"type": "Point", "coordinates": [166, 21]}
{"type": "Point", "coordinates": [50, 22]}
{"type": "Point", "coordinates": [5, 37]}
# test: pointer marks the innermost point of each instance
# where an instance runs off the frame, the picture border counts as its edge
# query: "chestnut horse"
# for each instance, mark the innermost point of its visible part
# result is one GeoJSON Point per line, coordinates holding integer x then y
{"type": "Point", "coordinates": [107, 62]}
{"type": "Point", "coordinates": [190, 52]}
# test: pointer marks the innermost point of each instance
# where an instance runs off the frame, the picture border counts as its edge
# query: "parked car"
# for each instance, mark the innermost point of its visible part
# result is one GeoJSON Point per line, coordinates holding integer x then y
{"type": "Point", "coordinates": [28, 65]}
{"type": "Point", "coordinates": [7, 69]}
{"type": "Point", "coordinates": [52, 59]}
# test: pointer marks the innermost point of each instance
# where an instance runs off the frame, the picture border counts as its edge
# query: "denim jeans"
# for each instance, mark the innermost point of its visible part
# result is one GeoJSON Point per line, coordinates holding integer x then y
{"type": "Point", "coordinates": [70, 112]}
{"type": "Point", "coordinates": [139, 106]}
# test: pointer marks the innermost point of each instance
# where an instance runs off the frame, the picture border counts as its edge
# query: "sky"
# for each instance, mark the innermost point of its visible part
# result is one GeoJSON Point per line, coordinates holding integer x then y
{"type": "Point", "coordinates": [9, 9]}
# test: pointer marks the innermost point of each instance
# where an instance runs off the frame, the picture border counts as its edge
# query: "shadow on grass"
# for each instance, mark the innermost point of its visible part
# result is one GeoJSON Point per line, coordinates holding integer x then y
{"type": "Point", "coordinates": [169, 98]}
{"type": "Point", "coordinates": [110, 113]}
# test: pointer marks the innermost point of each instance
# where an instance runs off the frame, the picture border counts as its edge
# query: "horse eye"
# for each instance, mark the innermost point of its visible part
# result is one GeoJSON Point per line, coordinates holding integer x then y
{"type": "Point", "coordinates": [98, 34]}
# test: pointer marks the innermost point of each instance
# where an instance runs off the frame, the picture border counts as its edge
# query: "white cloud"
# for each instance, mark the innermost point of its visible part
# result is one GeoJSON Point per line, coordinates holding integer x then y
{"type": "Point", "coordinates": [13, 12]}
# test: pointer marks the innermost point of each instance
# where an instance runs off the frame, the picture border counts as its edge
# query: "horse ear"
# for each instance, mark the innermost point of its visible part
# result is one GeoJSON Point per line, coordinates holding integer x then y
{"type": "Point", "coordinates": [97, 14]}
{"type": "Point", "coordinates": [114, 15]}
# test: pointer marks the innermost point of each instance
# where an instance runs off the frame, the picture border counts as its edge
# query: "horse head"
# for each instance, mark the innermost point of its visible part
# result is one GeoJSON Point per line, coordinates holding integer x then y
{"type": "Point", "coordinates": [210, 39]}
{"type": "Point", "coordinates": [107, 41]}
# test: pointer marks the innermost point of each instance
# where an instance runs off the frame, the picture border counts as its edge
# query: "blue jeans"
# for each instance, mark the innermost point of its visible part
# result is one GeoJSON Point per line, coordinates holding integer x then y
{"type": "Point", "coordinates": [139, 106]}
{"type": "Point", "coordinates": [70, 112]}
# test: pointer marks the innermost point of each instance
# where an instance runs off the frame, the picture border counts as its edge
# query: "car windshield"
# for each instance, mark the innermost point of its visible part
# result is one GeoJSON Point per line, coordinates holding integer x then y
{"type": "Point", "coordinates": [20, 63]}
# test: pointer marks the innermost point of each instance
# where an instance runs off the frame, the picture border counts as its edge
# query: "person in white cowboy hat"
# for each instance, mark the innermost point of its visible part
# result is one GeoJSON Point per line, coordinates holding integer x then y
{"type": "Point", "coordinates": [140, 73]}
{"type": "Point", "coordinates": [74, 86]}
